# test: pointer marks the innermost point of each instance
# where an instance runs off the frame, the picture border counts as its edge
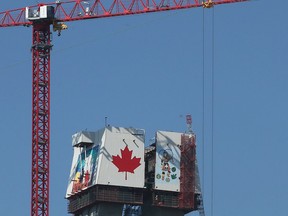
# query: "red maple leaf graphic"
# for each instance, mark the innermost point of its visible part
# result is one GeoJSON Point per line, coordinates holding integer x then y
{"type": "Point", "coordinates": [126, 164]}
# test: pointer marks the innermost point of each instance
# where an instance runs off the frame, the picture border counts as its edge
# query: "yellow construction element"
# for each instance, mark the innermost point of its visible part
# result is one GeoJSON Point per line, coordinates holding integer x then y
{"type": "Point", "coordinates": [59, 27]}
{"type": "Point", "coordinates": [208, 4]}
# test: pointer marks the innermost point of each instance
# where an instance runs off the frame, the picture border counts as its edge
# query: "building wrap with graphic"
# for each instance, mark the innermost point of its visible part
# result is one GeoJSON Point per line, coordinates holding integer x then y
{"type": "Point", "coordinates": [111, 156]}
{"type": "Point", "coordinates": [167, 167]}
{"type": "Point", "coordinates": [112, 167]}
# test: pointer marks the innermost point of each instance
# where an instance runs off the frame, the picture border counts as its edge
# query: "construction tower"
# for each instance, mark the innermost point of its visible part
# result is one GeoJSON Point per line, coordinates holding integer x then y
{"type": "Point", "coordinates": [114, 174]}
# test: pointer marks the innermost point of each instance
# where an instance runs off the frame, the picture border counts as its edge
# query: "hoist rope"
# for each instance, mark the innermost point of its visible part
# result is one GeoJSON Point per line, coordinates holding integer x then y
{"type": "Point", "coordinates": [203, 103]}
{"type": "Point", "coordinates": [212, 117]}
{"type": "Point", "coordinates": [212, 107]}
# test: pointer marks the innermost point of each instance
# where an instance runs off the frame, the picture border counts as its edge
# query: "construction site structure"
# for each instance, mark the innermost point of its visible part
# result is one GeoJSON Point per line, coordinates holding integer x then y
{"type": "Point", "coordinates": [41, 17]}
{"type": "Point", "coordinates": [113, 172]}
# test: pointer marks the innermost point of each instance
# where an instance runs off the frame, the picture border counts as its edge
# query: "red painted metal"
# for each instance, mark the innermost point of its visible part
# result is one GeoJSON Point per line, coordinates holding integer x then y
{"type": "Point", "coordinates": [80, 10]}
{"type": "Point", "coordinates": [73, 11]}
{"type": "Point", "coordinates": [187, 168]}
{"type": "Point", "coordinates": [40, 119]}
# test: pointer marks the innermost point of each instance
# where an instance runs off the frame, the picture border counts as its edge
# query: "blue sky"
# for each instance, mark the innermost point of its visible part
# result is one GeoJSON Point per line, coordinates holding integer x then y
{"type": "Point", "coordinates": [146, 71]}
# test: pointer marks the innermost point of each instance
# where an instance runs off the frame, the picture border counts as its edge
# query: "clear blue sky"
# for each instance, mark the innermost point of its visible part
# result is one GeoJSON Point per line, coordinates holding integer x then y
{"type": "Point", "coordinates": [146, 71]}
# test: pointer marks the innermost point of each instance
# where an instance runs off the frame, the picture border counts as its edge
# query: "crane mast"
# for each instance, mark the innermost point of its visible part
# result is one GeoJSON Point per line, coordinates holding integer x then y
{"type": "Point", "coordinates": [41, 17]}
{"type": "Point", "coordinates": [41, 47]}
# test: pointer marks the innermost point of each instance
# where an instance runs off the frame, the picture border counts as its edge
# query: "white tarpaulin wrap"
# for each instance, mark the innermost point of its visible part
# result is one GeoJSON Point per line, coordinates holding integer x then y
{"type": "Point", "coordinates": [121, 158]}
{"type": "Point", "coordinates": [85, 161]}
{"type": "Point", "coordinates": [111, 156]}
{"type": "Point", "coordinates": [167, 168]}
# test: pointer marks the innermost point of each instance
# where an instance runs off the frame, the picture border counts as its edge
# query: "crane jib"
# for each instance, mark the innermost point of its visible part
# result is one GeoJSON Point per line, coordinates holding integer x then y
{"type": "Point", "coordinates": [80, 10]}
{"type": "Point", "coordinates": [41, 17]}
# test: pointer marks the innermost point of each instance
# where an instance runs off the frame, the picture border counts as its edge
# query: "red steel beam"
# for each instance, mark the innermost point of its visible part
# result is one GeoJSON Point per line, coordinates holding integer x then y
{"type": "Point", "coordinates": [71, 11]}
{"type": "Point", "coordinates": [40, 119]}
{"type": "Point", "coordinates": [79, 10]}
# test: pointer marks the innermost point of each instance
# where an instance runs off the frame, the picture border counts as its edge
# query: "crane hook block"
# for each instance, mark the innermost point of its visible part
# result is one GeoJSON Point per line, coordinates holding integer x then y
{"type": "Point", "coordinates": [208, 4]}
{"type": "Point", "coordinates": [59, 27]}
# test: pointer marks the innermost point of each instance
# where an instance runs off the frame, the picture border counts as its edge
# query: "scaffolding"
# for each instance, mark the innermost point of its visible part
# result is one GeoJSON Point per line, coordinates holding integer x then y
{"type": "Point", "coordinates": [187, 167]}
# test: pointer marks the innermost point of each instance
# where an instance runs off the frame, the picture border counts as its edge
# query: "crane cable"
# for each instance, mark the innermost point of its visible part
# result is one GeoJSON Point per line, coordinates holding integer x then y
{"type": "Point", "coordinates": [212, 108]}
{"type": "Point", "coordinates": [212, 117]}
{"type": "Point", "coordinates": [203, 102]}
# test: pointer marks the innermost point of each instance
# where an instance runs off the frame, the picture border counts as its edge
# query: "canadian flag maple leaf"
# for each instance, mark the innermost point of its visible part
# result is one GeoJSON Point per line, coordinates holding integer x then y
{"type": "Point", "coordinates": [126, 163]}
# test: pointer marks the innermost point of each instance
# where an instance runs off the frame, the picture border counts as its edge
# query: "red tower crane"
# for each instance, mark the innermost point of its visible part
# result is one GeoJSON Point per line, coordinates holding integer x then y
{"type": "Point", "coordinates": [41, 17]}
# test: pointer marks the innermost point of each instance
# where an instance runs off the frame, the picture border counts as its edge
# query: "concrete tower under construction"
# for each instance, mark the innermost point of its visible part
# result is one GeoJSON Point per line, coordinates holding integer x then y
{"type": "Point", "coordinates": [114, 174]}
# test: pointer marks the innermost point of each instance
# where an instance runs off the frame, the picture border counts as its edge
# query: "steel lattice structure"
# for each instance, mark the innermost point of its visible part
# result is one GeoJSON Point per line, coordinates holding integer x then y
{"type": "Point", "coordinates": [79, 9]}
{"type": "Point", "coordinates": [41, 47]}
{"type": "Point", "coordinates": [187, 180]}
{"type": "Point", "coordinates": [40, 119]}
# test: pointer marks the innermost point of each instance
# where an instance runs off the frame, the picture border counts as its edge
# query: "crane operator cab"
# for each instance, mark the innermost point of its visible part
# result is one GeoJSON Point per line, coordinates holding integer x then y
{"type": "Point", "coordinates": [43, 12]}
